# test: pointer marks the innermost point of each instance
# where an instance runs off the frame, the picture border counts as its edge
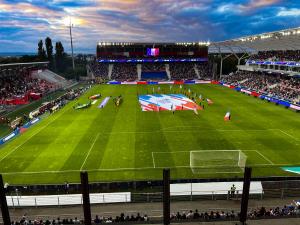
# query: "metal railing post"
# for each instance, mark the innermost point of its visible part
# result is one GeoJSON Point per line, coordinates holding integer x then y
{"type": "Point", "coordinates": [3, 203]}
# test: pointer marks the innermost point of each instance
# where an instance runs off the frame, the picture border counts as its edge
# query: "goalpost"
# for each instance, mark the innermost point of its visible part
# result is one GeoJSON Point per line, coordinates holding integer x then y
{"type": "Point", "coordinates": [217, 161]}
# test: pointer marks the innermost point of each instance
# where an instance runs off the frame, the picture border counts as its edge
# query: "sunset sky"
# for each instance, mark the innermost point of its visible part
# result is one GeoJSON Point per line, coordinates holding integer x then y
{"type": "Point", "coordinates": [23, 23]}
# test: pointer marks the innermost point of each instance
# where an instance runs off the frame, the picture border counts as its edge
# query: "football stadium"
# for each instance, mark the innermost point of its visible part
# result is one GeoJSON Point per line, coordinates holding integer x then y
{"type": "Point", "coordinates": [151, 132]}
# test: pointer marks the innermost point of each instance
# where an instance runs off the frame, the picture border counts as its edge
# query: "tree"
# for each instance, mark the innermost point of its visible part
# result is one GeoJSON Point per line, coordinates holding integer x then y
{"type": "Point", "coordinates": [49, 50]}
{"type": "Point", "coordinates": [41, 51]}
{"type": "Point", "coordinates": [59, 56]}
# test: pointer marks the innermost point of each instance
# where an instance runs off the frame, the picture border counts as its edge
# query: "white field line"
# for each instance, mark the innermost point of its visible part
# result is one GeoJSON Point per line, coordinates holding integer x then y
{"type": "Point", "coordinates": [92, 146]}
{"type": "Point", "coordinates": [265, 157]}
{"type": "Point", "coordinates": [117, 169]}
{"type": "Point", "coordinates": [187, 131]}
{"type": "Point", "coordinates": [179, 131]}
{"type": "Point", "coordinates": [30, 137]}
{"type": "Point", "coordinates": [289, 135]}
{"type": "Point", "coordinates": [176, 127]}
{"type": "Point", "coordinates": [153, 160]}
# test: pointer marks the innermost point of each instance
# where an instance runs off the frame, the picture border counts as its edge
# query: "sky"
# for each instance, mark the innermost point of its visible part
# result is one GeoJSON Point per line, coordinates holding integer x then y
{"type": "Point", "coordinates": [24, 23]}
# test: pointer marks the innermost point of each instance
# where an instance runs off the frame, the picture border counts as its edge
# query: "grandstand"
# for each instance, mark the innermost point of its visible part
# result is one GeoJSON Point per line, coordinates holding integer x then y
{"type": "Point", "coordinates": [132, 61]}
{"type": "Point", "coordinates": [272, 65]}
{"type": "Point", "coordinates": [23, 82]}
{"type": "Point", "coordinates": [154, 132]}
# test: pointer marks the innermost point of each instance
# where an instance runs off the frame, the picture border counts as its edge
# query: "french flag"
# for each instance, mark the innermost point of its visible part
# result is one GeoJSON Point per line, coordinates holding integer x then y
{"type": "Point", "coordinates": [227, 116]}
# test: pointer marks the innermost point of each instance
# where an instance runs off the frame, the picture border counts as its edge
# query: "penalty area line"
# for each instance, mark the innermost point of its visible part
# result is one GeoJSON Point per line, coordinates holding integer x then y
{"type": "Point", "coordinates": [289, 135]}
{"type": "Point", "coordinates": [92, 146]}
{"type": "Point", "coordinates": [267, 159]}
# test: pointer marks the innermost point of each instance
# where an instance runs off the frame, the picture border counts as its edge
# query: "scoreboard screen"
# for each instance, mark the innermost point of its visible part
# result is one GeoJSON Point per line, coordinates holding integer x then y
{"type": "Point", "coordinates": [152, 51]}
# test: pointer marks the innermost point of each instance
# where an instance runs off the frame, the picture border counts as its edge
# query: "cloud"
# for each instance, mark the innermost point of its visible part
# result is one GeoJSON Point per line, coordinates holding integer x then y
{"type": "Point", "coordinates": [27, 21]}
{"type": "Point", "coordinates": [289, 12]}
{"type": "Point", "coordinates": [249, 7]}
{"type": "Point", "coordinates": [228, 8]}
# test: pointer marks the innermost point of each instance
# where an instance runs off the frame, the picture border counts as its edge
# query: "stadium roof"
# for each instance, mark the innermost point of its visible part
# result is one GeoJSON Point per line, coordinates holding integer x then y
{"type": "Point", "coordinates": [22, 64]}
{"type": "Point", "coordinates": [288, 39]}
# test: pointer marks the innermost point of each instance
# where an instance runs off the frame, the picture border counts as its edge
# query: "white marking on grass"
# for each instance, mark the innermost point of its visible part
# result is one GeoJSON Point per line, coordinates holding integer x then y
{"type": "Point", "coordinates": [92, 146]}
{"type": "Point", "coordinates": [267, 159]}
{"type": "Point", "coordinates": [9, 153]}
{"type": "Point", "coordinates": [153, 160]}
{"type": "Point", "coordinates": [289, 135]}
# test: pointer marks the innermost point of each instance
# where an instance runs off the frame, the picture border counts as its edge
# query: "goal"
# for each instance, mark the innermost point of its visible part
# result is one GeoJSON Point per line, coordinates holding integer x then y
{"type": "Point", "coordinates": [217, 161]}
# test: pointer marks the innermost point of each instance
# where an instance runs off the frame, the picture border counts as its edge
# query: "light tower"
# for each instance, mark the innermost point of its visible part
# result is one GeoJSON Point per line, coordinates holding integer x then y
{"type": "Point", "coordinates": [71, 39]}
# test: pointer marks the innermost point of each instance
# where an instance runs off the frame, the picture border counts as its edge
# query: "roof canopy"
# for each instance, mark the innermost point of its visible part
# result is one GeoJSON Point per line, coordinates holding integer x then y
{"type": "Point", "coordinates": [279, 40]}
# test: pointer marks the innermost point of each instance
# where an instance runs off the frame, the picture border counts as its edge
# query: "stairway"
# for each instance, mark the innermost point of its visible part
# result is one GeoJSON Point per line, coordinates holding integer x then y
{"type": "Point", "coordinates": [168, 71]}
{"type": "Point", "coordinates": [139, 71]}
{"type": "Point", "coordinates": [110, 68]}
{"type": "Point", "coordinates": [197, 71]}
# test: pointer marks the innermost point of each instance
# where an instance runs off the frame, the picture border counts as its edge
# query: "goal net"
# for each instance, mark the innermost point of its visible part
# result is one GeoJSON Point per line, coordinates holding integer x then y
{"type": "Point", "coordinates": [217, 161]}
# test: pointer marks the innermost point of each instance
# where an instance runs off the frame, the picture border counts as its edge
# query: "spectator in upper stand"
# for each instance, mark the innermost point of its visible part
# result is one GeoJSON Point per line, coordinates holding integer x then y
{"type": "Point", "coordinates": [274, 85]}
{"type": "Point", "coordinates": [99, 69]}
{"type": "Point", "coordinates": [187, 70]}
{"type": "Point", "coordinates": [14, 86]}
{"type": "Point", "coordinates": [124, 71]}
{"type": "Point", "coordinates": [182, 71]}
{"type": "Point", "coordinates": [288, 55]}
{"type": "Point", "coordinates": [153, 67]}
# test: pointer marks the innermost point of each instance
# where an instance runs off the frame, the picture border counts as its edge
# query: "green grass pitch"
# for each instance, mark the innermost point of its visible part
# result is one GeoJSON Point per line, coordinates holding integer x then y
{"type": "Point", "coordinates": [124, 143]}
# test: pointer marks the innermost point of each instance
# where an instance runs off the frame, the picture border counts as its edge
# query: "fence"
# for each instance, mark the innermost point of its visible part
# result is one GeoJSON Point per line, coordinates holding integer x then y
{"type": "Point", "coordinates": [153, 191]}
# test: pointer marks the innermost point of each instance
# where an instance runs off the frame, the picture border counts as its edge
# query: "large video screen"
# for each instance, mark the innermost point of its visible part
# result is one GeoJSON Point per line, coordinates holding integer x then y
{"type": "Point", "coordinates": [152, 51]}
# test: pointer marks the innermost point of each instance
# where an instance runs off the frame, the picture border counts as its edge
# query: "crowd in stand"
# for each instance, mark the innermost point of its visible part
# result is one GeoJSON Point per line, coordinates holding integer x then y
{"type": "Point", "coordinates": [182, 71]}
{"type": "Point", "coordinates": [273, 85]}
{"type": "Point", "coordinates": [153, 67]}
{"type": "Point", "coordinates": [96, 220]}
{"type": "Point", "coordinates": [124, 71]}
{"type": "Point", "coordinates": [261, 212]}
{"type": "Point", "coordinates": [205, 70]}
{"type": "Point", "coordinates": [290, 210]}
{"type": "Point", "coordinates": [212, 215]}
{"type": "Point", "coordinates": [121, 218]}
{"type": "Point", "coordinates": [17, 85]}
{"type": "Point", "coordinates": [99, 69]}
{"type": "Point", "coordinates": [289, 55]}
{"type": "Point", "coordinates": [128, 71]}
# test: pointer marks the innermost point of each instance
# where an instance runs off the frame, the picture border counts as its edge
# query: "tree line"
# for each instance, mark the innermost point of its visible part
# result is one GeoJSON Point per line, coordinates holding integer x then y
{"type": "Point", "coordinates": [59, 61]}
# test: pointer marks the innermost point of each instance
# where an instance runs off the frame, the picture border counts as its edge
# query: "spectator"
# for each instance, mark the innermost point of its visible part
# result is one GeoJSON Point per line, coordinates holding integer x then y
{"type": "Point", "coordinates": [273, 85]}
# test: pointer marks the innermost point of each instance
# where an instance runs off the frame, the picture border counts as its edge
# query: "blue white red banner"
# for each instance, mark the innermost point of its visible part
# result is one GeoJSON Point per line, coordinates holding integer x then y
{"type": "Point", "coordinates": [162, 82]}
{"type": "Point", "coordinates": [19, 131]}
{"type": "Point", "coordinates": [171, 102]}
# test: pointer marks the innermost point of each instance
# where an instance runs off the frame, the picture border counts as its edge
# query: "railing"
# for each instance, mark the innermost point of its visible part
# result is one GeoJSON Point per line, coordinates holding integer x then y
{"type": "Point", "coordinates": [17, 200]}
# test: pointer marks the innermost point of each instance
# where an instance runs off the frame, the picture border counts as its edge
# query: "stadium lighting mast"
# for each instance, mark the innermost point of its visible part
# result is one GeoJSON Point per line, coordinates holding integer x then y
{"type": "Point", "coordinates": [71, 39]}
